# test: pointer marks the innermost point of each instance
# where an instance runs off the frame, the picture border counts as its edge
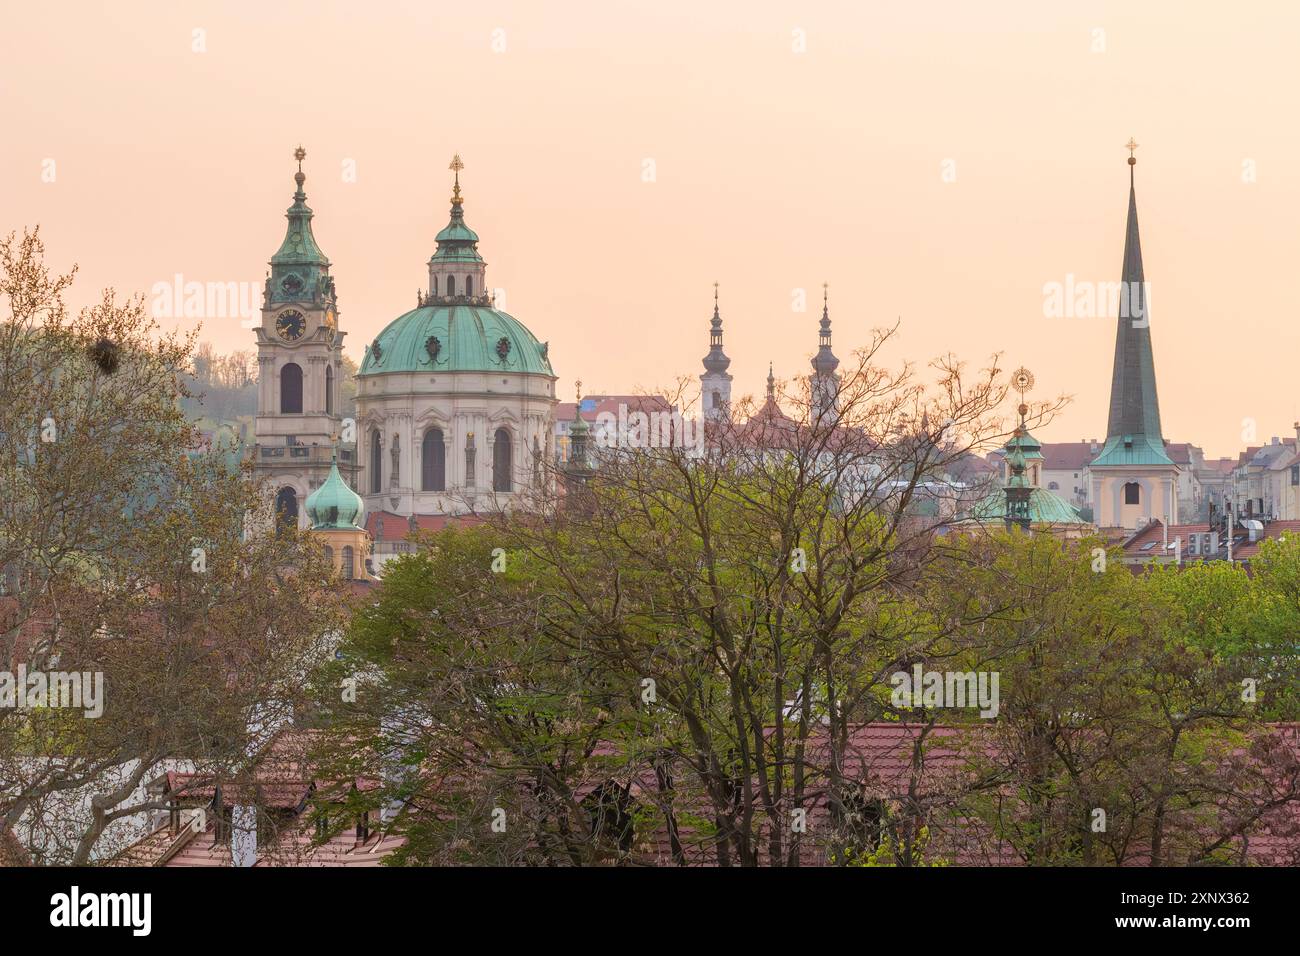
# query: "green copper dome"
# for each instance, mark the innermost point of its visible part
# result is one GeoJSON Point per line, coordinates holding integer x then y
{"type": "Point", "coordinates": [334, 506]}
{"type": "Point", "coordinates": [456, 338]}
{"type": "Point", "coordinates": [1044, 508]}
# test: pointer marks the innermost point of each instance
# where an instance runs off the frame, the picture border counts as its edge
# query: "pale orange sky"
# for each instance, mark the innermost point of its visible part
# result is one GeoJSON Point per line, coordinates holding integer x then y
{"type": "Point", "coordinates": [775, 170]}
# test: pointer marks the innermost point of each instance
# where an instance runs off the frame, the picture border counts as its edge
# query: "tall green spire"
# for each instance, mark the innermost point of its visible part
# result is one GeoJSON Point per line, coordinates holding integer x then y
{"type": "Point", "coordinates": [1133, 435]}
{"type": "Point", "coordinates": [299, 270]}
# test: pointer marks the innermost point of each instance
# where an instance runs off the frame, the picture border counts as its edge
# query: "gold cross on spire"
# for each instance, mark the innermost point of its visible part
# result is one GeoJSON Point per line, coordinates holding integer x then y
{"type": "Point", "coordinates": [456, 166]}
{"type": "Point", "coordinates": [1131, 145]}
{"type": "Point", "coordinates": [578, 386]}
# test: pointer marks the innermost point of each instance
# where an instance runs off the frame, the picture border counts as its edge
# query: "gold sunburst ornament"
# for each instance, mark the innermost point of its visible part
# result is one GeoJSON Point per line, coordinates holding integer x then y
{"type": "Point", "coordinates": [1022, 380]}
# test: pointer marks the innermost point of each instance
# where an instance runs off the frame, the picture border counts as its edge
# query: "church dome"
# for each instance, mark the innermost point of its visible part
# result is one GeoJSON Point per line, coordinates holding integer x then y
{"type": "Point", "coordinates": [334, 505]}
{"type": "Point", "coordinates": [456, 338]}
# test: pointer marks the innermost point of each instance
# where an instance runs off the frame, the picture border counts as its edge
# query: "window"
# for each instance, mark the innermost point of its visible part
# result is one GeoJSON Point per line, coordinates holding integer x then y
{"type": "Point", "coordinates": [501, 461]}
{"type": "Point", "coordinates": [376, 462]}
{"type": "Point", "coordinates": [433, 461]}
{"type": "Point", "coordinates": [433, 285]}
{"type": "Point", "coordinates": [1132, 493]}
{"type": "Point", "coordinates": [717, 399]}
{"type": "Point", "coordinates": [1053, 486]}
{"type": "Point", "coordinates": [286, 508]}
{"type": "Point", "coordinates": [329, 390]}
{"type": "Point", "coordinates": [349, 565]}
{"type": "Point", "coordinates": [1295, 474]}
{"type": "Point", "coordinates": [469, 285]}
{"type": "Point", "coordinates": [451, 285]}
{"type": "Point", "coordinates": [291, 390]}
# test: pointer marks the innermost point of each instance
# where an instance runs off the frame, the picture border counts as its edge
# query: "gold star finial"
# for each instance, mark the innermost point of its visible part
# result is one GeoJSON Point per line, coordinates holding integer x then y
{"type": "Point", "coordinates": [300, 154]}
{"type": "Point", "coordinates": [456, 166]}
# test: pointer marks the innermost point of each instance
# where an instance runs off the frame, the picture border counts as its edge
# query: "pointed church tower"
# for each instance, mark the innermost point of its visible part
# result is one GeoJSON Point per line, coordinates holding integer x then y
{"type": "Point", "coordinates": [299, 359]}
{"type": "Point", "coordinates": [825, 381]}
{"type": "Point", "coordinates": [715, 383]}
{"type": "Point", "coordinates": [1133, 479]}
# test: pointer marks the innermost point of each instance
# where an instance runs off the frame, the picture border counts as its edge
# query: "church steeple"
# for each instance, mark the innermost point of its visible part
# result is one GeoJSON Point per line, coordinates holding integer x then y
{"type": "Point", "coordinates": [299, 270]}
{"type": "Point", "coordinates": [715, 383]}
{"type": "Point", "coordinates": [825, 382]}
{"type": "Point", "coordinates": [1133, 434]}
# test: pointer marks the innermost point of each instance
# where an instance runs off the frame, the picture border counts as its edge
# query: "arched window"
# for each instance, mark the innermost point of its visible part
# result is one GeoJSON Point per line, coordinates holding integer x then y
{"type": "Point", "coordinates": [469, 285]}
{"type": "Point", "coordinates": [433, 285]}
{"type": "Point", "coordinates": [717, 399]}
{"type": "Point", "coordinates": [501, 480]}
{"type": "Point", "coordinates": [329, 555]}
{"type": "Point", "coordinates": [451, 285]}
{"type": "Point", "coordinates": [286, 508]}
{"type": "Point", "coordinates": [433, 461]}
{"type": "Point", "coordinates": [349, 571]}
{"type": "Point", "coordinates": [1053, 486]}
{"type": "Point", "coordinates": [291, 390]}
{"type": "Point", "coordinates": [329, 389]}
{"type": "Point", "coordinates": [376, 463]}
{"type": "Point", "coordinates": [1132, 493]}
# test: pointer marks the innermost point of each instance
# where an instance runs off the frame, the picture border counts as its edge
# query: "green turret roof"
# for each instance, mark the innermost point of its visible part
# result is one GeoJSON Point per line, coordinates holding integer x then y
{"type": "Point", "coordinates": [334, 506]}
{"type": "Point", "coordinates": [299, 270]}
{"type": "Point", "coordinates": [457, 242]}
{"type": "Point", "coordinates": [1133, 435]}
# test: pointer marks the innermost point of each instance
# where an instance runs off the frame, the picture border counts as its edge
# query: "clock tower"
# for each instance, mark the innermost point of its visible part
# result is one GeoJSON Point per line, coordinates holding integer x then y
{"type": "Point", "coordinates": [299, 358]}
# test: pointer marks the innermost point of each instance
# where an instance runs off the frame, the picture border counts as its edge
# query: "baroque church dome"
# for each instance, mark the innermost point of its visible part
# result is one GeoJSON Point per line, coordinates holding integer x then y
{"type": "Point", "coordinates": [455, 327]}
{"type": "Point", "coordinates": [455, 398]}
{"type": "Point", "coordinates": [463, 337]}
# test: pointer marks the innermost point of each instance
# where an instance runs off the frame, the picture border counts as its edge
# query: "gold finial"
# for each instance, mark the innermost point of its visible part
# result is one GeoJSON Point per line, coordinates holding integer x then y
{"type": "Point", "coordinates": [715, 294]}
{"type": "Point", "coordinates": [456, 166]}
{"type": "Point", "coordinates": [578, 386]}
{"type": "Point", "coordinates": [1131, 145]}
{"type": "Point", "coordinates": [300, 154]}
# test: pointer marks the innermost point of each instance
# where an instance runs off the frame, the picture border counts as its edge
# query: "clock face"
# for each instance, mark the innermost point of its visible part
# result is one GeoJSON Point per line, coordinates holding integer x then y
{"type": "Point", "coordinates": [291, 325]}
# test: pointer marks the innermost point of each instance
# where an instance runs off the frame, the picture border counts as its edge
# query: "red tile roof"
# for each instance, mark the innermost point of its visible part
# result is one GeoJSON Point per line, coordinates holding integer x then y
{"type": "Point", "coordinates": [397, 527]}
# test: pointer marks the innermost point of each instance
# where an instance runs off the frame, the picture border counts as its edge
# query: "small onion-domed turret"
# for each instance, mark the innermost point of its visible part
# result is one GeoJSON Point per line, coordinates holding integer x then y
{"type": "Point", "coordinates": [334, 506]}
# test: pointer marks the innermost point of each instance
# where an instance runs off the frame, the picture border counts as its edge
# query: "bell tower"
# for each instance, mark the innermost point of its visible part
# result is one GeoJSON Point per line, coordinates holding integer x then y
{"type": "Point", "coordinates": [715, 383]}
{"type": "Point", "coordinates": [299, 358]}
